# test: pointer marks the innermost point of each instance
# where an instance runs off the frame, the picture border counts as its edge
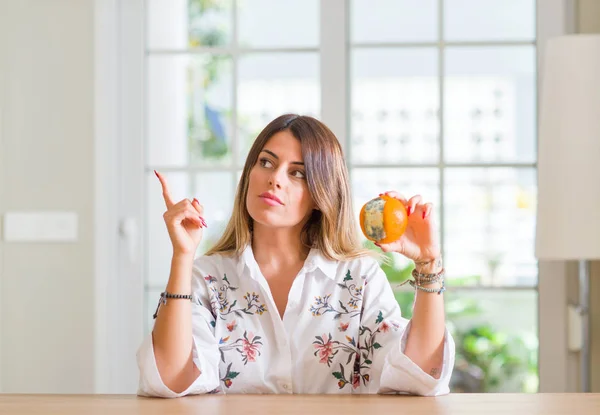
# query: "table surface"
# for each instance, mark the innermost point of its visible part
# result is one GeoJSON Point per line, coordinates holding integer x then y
{"type": "Point", "coordinates": [486, 404]}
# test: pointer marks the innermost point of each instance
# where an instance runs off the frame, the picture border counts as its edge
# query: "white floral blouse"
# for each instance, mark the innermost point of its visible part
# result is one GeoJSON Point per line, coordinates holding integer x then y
{"type": "Point", "coordinates": [342, 332]}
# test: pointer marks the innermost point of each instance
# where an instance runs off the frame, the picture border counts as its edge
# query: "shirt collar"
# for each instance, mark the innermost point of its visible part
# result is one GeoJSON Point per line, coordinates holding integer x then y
{"type": "Point", "coordinates": [317, 261]}
{"type": "Point", "coordinates": [246, 259]}
{"type": "Point", "coordinates": [314, 261]}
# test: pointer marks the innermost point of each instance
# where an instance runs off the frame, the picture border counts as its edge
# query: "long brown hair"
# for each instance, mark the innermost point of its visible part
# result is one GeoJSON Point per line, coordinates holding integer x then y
{"type": "Point", "coordinates": [332, 227]}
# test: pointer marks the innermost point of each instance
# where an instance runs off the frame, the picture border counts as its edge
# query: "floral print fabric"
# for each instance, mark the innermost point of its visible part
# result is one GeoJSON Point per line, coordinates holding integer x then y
{"type": "Point", "coordinates": [342, 332]}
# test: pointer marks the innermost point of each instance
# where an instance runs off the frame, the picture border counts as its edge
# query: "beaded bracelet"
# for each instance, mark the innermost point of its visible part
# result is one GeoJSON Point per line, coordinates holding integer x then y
{"type": "Point", "coordinates": [423, 283]}
{"type": "Point", "coordinates": [428, 290]}
{"type": "Point", "coordinates": [163, 300]}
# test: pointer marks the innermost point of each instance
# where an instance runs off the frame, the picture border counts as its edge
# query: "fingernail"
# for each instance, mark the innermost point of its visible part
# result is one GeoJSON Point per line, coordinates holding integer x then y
{"type": "Point", "coordinates": [408, 211]}
{"type": "Point", "coordinates": [195, 200]}
{"type": "Point", "coordinates": [155, 172]}
{"type": "Point", "coordinates": [424, 215]}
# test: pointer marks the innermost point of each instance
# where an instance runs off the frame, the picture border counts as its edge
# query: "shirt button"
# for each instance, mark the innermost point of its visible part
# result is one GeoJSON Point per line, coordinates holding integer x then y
{"type": "Point", "coordinates": [285, 386]}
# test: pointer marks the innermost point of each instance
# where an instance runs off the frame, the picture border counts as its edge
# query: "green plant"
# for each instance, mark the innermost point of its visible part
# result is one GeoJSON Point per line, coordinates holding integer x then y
{"type": "Point", "coordinates": [506, 362]}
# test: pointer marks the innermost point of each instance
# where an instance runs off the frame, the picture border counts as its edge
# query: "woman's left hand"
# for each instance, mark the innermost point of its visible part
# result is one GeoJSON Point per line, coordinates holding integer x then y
{"type": "Point", "coordinates": [420, 240]}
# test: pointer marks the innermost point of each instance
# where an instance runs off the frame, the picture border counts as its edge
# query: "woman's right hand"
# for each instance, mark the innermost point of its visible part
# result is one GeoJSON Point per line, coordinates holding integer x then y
{"type": "Point", "coordinates": [184, 221]}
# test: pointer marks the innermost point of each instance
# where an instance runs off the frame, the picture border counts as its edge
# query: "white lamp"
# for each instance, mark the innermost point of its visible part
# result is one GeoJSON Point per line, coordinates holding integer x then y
{"type": "Point", "coordinates": [568, 216]}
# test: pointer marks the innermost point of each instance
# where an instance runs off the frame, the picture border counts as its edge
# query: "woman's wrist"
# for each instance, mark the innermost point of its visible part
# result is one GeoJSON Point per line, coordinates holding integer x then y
{"type": "Point", "coordinates": [183, 257]}
{"type": "Point", "coordinates": [429, 266]}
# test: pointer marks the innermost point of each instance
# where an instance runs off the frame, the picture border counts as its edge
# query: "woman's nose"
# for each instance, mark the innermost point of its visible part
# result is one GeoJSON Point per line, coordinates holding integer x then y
{"type": "Point", "coordinates": [274, 182]}
{"type": "Point", "coordinates": [275, 179]}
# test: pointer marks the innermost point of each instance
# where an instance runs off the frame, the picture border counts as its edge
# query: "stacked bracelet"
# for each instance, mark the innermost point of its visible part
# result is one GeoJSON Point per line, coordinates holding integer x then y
{"type": "Point", "coordinates": [419, 287]}
{"type": "Point", "coordinates": [420, 280]}
{"type": "Point", "coordinates": [163, 300]}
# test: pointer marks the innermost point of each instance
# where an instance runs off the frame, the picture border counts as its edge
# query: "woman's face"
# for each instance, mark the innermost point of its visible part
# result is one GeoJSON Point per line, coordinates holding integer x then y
{"type": "Point", "coordinates": [278, 194]}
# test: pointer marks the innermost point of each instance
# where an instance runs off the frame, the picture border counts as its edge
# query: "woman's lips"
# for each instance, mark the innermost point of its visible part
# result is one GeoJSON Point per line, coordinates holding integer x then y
{"type": "Point", "coordinates": [271, 199]}
{"type": "Point", "coordinates": [270, 202]}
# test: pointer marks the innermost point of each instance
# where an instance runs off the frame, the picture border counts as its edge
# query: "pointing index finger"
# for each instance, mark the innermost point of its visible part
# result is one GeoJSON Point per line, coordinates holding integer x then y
{"type": "Point", "coordinates": [165, 189]}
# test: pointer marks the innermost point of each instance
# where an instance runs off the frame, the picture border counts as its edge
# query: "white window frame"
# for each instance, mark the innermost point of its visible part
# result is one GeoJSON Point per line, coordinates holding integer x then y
{"type": "Point", "coordinates": [119, 184]}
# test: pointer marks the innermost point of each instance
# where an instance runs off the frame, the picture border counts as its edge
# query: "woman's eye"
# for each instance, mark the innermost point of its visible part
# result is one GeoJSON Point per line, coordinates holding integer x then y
{"type": "Point", "coordinates": [265, 163]}
{"type": "Point", "coordinates": [298, 174]}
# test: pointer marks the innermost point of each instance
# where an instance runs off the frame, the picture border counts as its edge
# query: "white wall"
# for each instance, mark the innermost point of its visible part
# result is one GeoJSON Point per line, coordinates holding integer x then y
{"type": "Point", "coordinates": [46, 163]}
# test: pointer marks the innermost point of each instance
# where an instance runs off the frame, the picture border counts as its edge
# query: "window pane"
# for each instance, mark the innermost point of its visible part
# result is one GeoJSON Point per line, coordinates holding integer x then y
{"type": "Point", "coordinates": [274, 84]}
{"type": "Point", "coordinates": [189, 110]}
{"type": "Point", "coordinates": [489, 225]}
{"type": "Point", "coordinates": [477, 20]}
{"type": "Point", "coordinates": [214, 191]}
{"type": "Point", "coordinates": [395, 101]}
{"type": "Point", "coordinates": [278, 23]}
{"type": "Point", "coordinates": [496, 339]}
{"type": "Point", "coordinates": [181, 24]}
{"type": "Point", "coordinates": [394, 21]}
{"type": "Point", "coordinates": [368, 183]}
{"type": "Point", "coordinates": [489, 105]}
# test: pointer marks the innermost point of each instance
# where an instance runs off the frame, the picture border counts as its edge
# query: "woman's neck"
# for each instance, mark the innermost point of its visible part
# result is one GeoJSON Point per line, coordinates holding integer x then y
{"type": "Point", "coordinates": [278, 247]}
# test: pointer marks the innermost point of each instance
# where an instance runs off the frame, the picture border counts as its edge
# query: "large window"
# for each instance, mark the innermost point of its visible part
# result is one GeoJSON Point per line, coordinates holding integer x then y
{"type": "Point", "coordinates": [217, 73]}
{"type": "Point", "coordinates": [442, 102]}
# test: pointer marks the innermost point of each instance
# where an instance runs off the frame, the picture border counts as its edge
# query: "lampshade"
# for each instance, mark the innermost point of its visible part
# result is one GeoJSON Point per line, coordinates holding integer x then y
{"type": "Point", "coordinates": [568, 211]}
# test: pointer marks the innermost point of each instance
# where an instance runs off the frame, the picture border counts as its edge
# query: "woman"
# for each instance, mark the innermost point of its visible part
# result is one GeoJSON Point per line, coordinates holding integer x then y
{"type": "Point", "coordinates": [287, 301]}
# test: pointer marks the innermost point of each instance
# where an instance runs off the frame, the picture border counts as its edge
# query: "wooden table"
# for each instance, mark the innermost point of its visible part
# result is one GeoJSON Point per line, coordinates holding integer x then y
{"type": "Point", "coordinates": [480, 404]}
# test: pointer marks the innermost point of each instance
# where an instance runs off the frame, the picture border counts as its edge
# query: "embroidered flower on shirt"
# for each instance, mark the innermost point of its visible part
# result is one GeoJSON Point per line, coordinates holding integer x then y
{"type": "Point", "coordinates": [261, 309]}
{"type": "Point", "coordinates": [322, 306]}
{"type": "Point", "coordinates": [355, 380]}
{"type": "Point", "coordinates": [220, 303]}
{"type": "Point", "coordinates": [341, 376]}
{"type": "Point", "coordinates": [248, 346]}
{"type": "Point", "coordinates": [229, 376]}
{"type": "Point", "coordinates": [355, 377]}
{"type": "Point", "coordinates": [362, 352]}
{"type": "Point", "coordinates": [231, 326]}
{"type": "Point", "coordinates": [324, 347]}
{"type": "Point", "coordinates": [343, 326]}
{"type": "Point", "coordinates": [327, 348]}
